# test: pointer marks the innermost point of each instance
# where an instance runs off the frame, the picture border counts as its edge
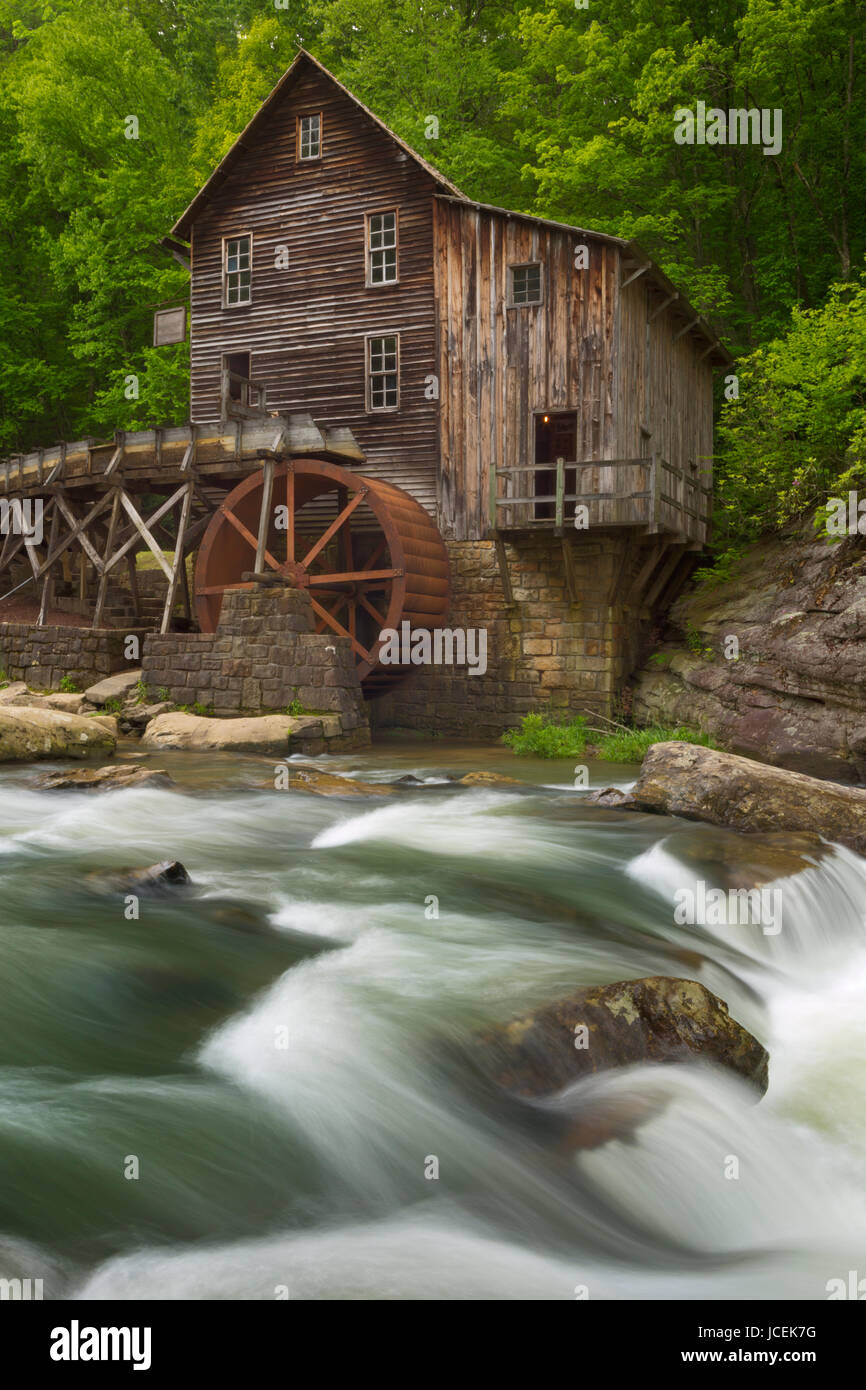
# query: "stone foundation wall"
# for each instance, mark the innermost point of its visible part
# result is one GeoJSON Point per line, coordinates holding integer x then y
{"type": "Point", "coordinates": [42, 656]}
{"type": "Point", "coordinates": [544, 652]}
{"type": "Point", "coordinates": [264, 655]}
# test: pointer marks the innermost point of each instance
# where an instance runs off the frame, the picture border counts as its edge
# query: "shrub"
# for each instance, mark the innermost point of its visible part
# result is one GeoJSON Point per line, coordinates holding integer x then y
{"type": "Point", "coordinates": [540, 736]}
{"type": "Point", "coordinates": [630, 745]}
{"type": "Point", "coordinates": [295, 708]}
{"type": "Point", "coordinates": [112, 706]}
{"type": "Point", "coordinates": [68, 686]}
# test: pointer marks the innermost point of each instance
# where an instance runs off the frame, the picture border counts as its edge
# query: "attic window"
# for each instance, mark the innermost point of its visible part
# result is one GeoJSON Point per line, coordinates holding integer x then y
{"type": "Point", "coordinates": [382, 248]}
{"type": "Point", "coordinates": [524, 284]}
{"type": "Point", "coordinates": [310, 137]}
{"type": "Point", "coordinates": [237, 270]}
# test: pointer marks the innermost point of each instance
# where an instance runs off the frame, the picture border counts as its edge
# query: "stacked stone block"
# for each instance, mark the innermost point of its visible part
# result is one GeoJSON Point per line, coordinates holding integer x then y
{"type": "Point", "coordinates": [263, 656]}
{"type": "Point", "coordinates": [42, 656]}
{"type": "Point", "coordinates": [546, 652]}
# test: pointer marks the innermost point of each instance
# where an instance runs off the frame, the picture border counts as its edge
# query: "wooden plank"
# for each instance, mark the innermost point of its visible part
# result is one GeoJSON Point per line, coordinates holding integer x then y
{"type": "Point", "coordinates": [102, 588]}
{"type": "Point", "coordinates": [178, 559]}
{"type": "Point", "coordinates": [505, 577]}
{"type": "Point", "coordinates": [48, 581]}
{"type": "Point", "coordinates": [145, 534]}
{"type": "Point", "coordinates": [265, 513]}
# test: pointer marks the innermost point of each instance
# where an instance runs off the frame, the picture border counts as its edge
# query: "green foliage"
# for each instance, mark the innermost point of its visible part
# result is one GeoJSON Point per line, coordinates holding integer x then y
{"type": "Point", "coordinates": [295, 708]}
{"type": "Point", "coordinates": [564, 112]}
{"type": "Point", "coordinates": [112, 705]}
{"type": "Point", "coordinates": [139, 692]}
{"type": "Point", "coordinates": [69, 686]}
{"type": "Point", "coordinates": [205, 711]}
{"type": "Point", "coordinates": [630, 745]}
{"type": "Point", "coordinates": [162, 694]}
{"type": "Point", "coordinates": [797, 434]}
{"type": "Point", "coordinates": [4, 679]}
{"type": "Point", "coordinates": [542, 736]}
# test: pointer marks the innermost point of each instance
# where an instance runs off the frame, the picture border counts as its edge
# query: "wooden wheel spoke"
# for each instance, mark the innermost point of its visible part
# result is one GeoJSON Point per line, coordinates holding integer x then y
{"type": "Point", "coordinates": [374, 612]}
{"type": "Point", "coordinates": [341, 631]}
{"type": "Point", "coordinates": [248, 536]}
{"type": "Point", "coordinates": [354, 577]}
{"type": "Point", "coordinates": [376, 556]}
{"type": "Point", "coordinates": [334, 527]}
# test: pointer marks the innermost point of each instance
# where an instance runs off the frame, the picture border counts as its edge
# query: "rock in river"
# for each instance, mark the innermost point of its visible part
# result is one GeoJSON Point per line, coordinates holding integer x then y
{"type": "Point", "coordinates": [98, 779]}
{"type": "Point", "coordinates": [27, 734]}
{"type": "Point", "coordinates": [683, 779]}
{"type": "Point", "coordinates": [267, 733]}
{"type": "Point", "coordinates": [156, 878]}
{"type": "Point", "coordinates": [658, 1019]}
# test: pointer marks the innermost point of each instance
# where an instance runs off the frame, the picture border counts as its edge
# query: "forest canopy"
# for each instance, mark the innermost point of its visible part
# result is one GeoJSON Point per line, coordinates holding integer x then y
{"type": "Point", "coordinates": [555, 108]}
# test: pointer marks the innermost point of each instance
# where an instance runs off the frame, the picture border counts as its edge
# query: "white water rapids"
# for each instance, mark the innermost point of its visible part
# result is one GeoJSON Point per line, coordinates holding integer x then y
{"type": "Point", "coordinates": [283, 1086]}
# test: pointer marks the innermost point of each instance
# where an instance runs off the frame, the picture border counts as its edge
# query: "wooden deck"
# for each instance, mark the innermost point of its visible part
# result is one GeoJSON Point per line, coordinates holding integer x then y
{"type": "Point", "coordinates": [651, 494]}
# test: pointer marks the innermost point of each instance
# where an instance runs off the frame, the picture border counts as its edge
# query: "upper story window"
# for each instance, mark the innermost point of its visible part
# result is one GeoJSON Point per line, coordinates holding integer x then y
{"type": "Point", "coordinates": [383, 372]}
{"type": "Point", "coordinates": [524, 284]}
{"type": "Point", "coordinates": [237, 269]}
{"type": "Point", "coordinates": [310, 137]}
{"type": "Point", "coordinates": [382, 248]}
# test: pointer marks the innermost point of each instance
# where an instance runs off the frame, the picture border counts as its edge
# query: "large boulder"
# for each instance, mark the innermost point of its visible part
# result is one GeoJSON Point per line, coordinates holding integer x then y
{"type": "Point", "coordinates": [658, 1019]}
{"type": "Point", "coordinates": [683, 779]}
{"type": "Point", "coordinates": [268, 733]}
{"type": "Point", "coordinates": [115, 687]}
{"type": "Point", "coordinates": [98, 779]}
{"type": "Point", "coordinates": [28, 733]}
{"type": "Point", "coordinates": [794, 693]}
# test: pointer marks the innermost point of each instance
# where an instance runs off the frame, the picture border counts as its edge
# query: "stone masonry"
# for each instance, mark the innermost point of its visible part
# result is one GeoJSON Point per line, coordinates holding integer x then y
{"type": "Point", "coordinates": [264, 655]}
{"type": "Point", "coordinates": [545, 652]}
{"type": "Point", "coordinates": [42, 656]}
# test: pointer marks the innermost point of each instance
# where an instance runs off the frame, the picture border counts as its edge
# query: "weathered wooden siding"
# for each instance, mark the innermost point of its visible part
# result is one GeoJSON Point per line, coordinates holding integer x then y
{"type": "Point", "coordinates": [588, 348]}
{"type": "Point", "coordinates": [499, 365]}
{"type": "Point", "coordinates": [305, 328]}
{"type": "Point", "coordinates": [664, 386]}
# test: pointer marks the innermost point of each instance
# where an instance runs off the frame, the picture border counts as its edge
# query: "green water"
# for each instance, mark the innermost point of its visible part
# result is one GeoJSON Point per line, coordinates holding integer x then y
{"type": "Point", "coordinates": [270, 1054]}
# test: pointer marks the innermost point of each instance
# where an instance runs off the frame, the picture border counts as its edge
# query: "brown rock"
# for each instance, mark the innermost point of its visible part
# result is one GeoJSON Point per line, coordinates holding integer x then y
{"type": "Point", "coordinates": [310, 779]}
{"type": "Point", "coordinates": [99, 779]}
{"type": "Point", "coordinates": [651, 1020]}
{"type": "Point", "coordinates": [683, 779]}
{"type": "Point", "coordinates": [156, 878]}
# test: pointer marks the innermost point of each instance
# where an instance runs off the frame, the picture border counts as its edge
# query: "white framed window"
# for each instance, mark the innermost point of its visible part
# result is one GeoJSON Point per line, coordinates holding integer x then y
{"type": "Point", "coordinates": [310, 136]}
{"type": "Point", "coordinates": [383, 372]}
{"type": "Point", "coordinates": [237, 270]}
{"type": "Point", "coordinates": [382, 248]}
{"type": "Point", "coordinates": [524, 284]}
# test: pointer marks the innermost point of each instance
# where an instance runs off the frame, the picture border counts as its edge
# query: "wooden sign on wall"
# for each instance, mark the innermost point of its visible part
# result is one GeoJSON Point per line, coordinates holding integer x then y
{"type": "Point", "coordinates": [169, 326]}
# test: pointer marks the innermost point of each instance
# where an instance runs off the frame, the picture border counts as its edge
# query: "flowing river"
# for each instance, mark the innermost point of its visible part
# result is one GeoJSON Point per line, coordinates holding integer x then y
{"type": "Point", "coordinates": [238, 1095]}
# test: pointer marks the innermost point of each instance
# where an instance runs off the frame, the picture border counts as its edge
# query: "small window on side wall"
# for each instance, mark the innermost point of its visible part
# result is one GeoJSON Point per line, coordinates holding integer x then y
{"type": "Point", "coordinates": [383, 372]}
{"type": "Point", "coordinates": [237, 270]}
{"type": "Point", "coordinates": [524, 284]}
{"type": "Point", "coordinates": [382, 248]}
{"type": "Point", "coordinates": [310, 137]}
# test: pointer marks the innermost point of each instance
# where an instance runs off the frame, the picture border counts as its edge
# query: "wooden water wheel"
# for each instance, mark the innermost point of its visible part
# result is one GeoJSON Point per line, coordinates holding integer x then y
{"type": "Point", "coordinates": [369, 555]}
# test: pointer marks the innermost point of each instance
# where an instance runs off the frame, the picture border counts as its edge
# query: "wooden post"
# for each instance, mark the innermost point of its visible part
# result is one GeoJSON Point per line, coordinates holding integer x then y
{"type": "Point", "coordinates": [560, 495]}
{"type": "Point", "coordinates": [178, 559]}
{"type": "Point", "coordinates": [502, 561]}
{"type": "Point", "coordinates": [103, 577]}
{"type": "Point", "coordinates": [48, 581]}
{"type": "Point", "coordinates": [133, 584]}
{"type": "Point", "coordinates": [656, 492]}
{"type": "Point", "coordinates": [265, 513]}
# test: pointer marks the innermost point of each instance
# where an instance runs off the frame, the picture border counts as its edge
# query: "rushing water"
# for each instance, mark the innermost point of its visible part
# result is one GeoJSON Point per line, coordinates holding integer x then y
{"type": "Point", "coordinates": [273, 1051]}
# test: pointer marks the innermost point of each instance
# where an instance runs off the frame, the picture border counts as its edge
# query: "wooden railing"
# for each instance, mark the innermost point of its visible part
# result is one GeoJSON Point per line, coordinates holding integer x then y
{"type": "Point", "coordinates": [646, 492]}
{"type": "Point", "coordinates": [242, 398]}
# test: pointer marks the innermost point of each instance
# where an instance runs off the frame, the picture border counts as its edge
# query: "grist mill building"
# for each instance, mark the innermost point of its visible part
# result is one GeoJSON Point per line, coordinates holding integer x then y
{"type": "Point", "coordinates": [419, 409]}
